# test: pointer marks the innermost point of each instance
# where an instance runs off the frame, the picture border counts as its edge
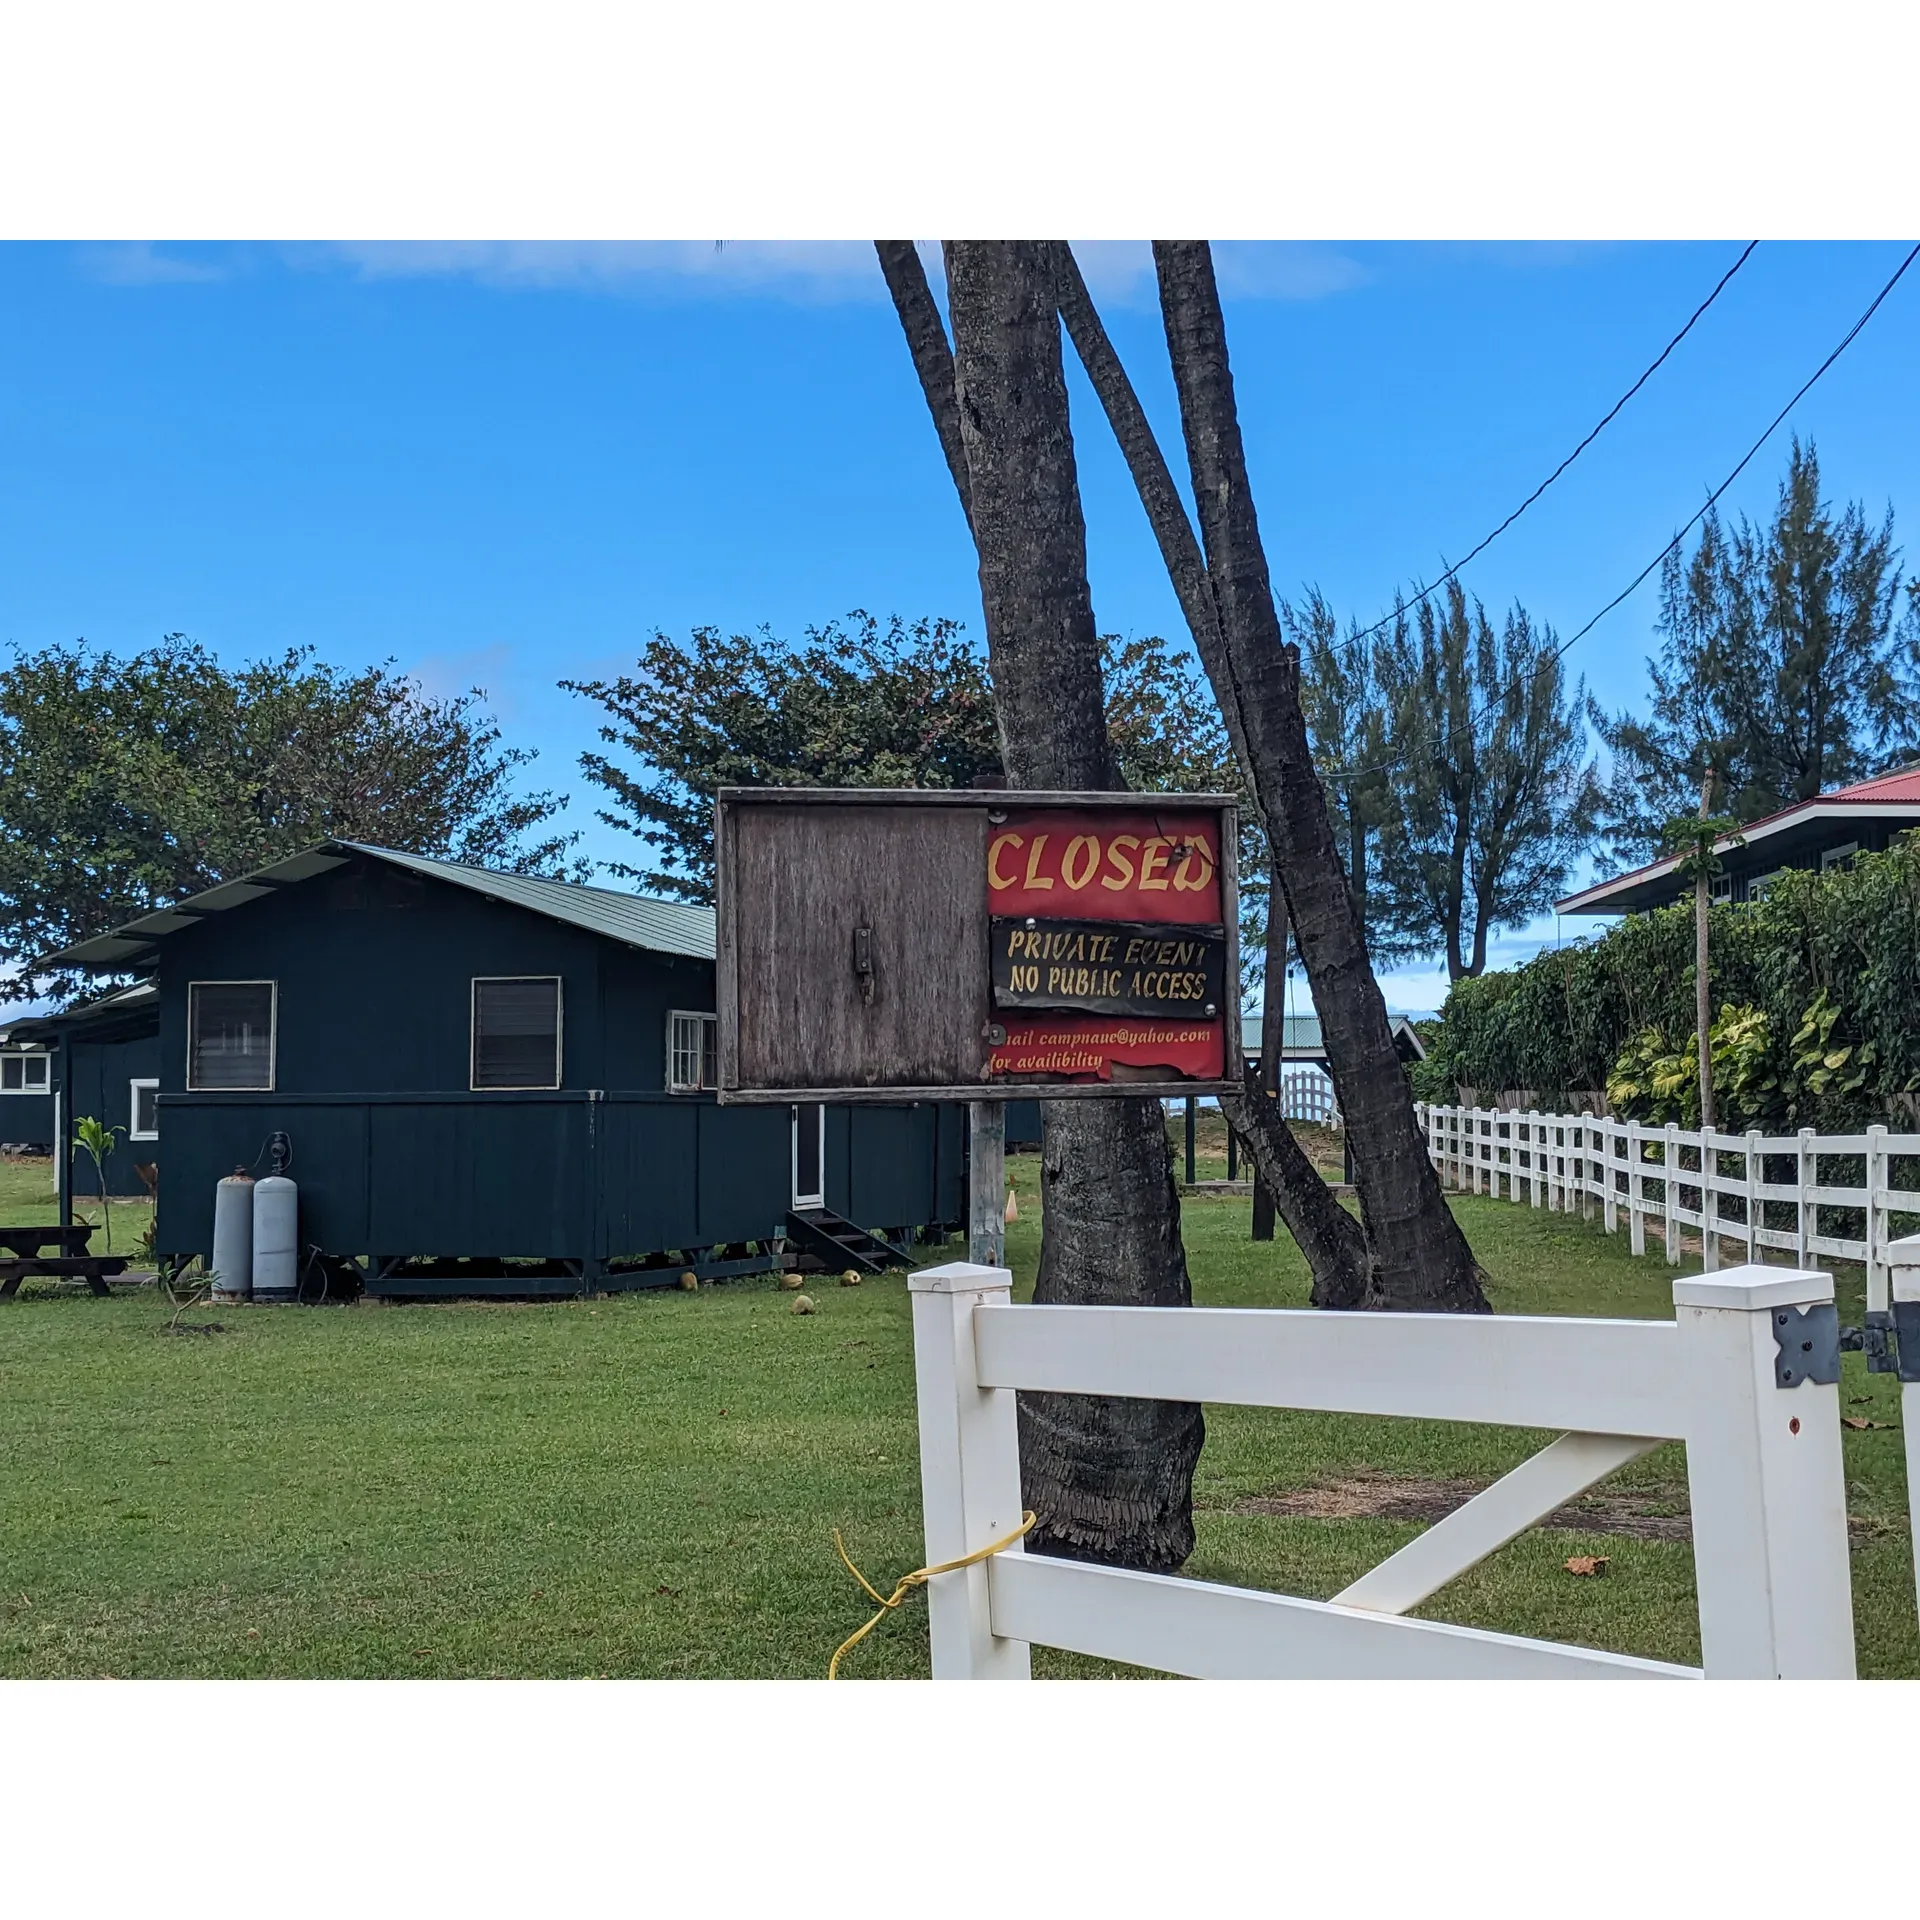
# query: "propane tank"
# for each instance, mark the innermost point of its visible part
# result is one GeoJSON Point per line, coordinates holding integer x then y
{"type": "Point", "coordinates": [276, 1239]}
{"type": "Point", "coordinates": [233, 1236]}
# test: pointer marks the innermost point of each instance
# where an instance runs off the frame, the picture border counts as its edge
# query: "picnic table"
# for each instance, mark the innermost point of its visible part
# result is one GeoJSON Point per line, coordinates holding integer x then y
{"type": "Point", "coordinates": [23, 1255]}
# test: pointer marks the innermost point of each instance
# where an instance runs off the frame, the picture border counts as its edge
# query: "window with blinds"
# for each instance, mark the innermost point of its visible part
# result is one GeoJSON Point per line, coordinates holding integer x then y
{"type": "Point", "coordinates": [692, 1052]}
{"type": "Point", "coordinates": [230, 1033]}
{"type": "Point", "coordinates": [516, 1034]}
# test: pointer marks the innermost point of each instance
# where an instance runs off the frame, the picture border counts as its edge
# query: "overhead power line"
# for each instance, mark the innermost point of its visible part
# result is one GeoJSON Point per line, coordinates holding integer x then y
{"type": "Point", "coordinates": [1706, 507]}
{"type": "Point", "coordinates": [1427, 592]}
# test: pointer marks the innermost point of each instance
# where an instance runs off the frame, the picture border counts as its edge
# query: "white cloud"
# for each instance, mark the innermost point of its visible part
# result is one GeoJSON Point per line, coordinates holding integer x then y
{"type": "Point", "coordinates": [813, 272]}
{"type": "Point", "coordinates": [135, 263]}
{"type": "Point", "coordinates": [808, 271]}
{"type": "Point", "coordinates": [491, 669]}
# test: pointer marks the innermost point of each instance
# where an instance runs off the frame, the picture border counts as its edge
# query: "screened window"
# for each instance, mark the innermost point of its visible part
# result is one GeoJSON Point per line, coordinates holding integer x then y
{"type": "Point", "coordinates": [23, 1073]}
{"type": "Point", "coordinates": [692, 1052]}
{"type": "Point", "coordinates": [143, 1113]}
{"type": "Point", "coordinates": [1758, 885]}
{"type": "Point", "coordinates": [1838, 856]}
{"type": "Point", "coordinates": [516, 1033]}
{"type": "Point", "coordinates": [230, 1036]}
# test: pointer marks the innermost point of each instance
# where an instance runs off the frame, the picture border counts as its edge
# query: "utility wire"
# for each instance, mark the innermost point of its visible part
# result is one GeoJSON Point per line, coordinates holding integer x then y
{"type": "Point", "coordinates": [1426, 593]}
{"type": "Point", "coordinates": [1553, 659]}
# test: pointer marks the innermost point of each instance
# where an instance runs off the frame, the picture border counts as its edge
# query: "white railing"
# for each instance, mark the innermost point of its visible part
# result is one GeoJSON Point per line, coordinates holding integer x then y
{"type": "Point", "coordinates": [1766, 1192]}
{"type": "Point", "coordinates": [1306, 1095]}
{"type": "Point", "coordinates": [1763, 1464]}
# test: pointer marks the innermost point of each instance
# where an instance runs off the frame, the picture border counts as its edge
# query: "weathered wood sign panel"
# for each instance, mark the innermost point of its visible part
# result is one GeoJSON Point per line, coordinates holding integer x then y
{"type": "Point", "coordinates": [881, 944]}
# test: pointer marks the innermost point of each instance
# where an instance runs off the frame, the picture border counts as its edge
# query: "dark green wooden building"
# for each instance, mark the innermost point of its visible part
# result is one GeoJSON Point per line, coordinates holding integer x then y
{"type": "Point", "coordinates": [493, 1083]}
{"type": "Point", "coordinates": [104, 1061]}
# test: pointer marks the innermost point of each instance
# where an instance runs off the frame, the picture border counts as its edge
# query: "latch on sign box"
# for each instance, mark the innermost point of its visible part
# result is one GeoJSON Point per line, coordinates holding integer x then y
{"type": "Point", "coordinates": [863, 961]}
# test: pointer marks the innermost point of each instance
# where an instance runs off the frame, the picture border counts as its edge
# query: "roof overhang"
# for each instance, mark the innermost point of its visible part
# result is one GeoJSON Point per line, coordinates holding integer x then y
{"type": "Point", "coordinates": [132, 945]}
{"type": "Point", "coordinates": [1653, 885]}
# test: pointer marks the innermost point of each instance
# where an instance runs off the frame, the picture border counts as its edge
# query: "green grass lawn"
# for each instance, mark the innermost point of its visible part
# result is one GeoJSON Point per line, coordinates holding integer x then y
{"type": "Point", "coordinates": [27, 1199]}
{"type": "Point", "coordinates": [647, 1485]}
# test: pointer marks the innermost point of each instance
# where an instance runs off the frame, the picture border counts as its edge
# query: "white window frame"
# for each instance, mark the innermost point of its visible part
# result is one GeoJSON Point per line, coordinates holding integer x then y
{"type": "Point", "coordinates": [1758, 885]}
{"type": "Point", "coordinates": [1720, 890]}
{"type": "Point", "coordinates": [711, 1025]}
{"type": "Point", "coordinates": [46, 1074]}
{"type": "Point", "coordinates": [273, 1035]}
{"type": "Point", "coordinates": [133, 1111]}
{"type": "Point", "coordinates": [474, 985]}
{"type": "Point", "coordinates": [1836, 856]}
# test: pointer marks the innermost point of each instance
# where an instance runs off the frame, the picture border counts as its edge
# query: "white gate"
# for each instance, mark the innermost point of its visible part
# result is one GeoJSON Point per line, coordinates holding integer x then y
{"type": "Point", "coordinates": [1729, 1376]}
{"type": "Point", "coordinates": [1305, 1095]}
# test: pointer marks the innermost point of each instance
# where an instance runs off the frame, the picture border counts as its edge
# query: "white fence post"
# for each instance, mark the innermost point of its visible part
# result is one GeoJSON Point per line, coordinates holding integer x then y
{"type": "Point", "coordinates": [1709, 1203]}
{"type": "Point", "coordinates": [1806, 1215]}
{"type": "Point", "coordinates": [1609, 1196]}
{"type": "Point", "coordinates": [1672, 1184]}
{"type": "Point", "coordinates": [1876, 1218]}
{"type": "Point", "coordinates": [1764, 1473]}
{"type": "Point", "coordinates": [1903, 1274]}
{"type": "Point", "coordinates": [969, 1469]}
{"type": "Point", "coordinates": [1756, 1168]}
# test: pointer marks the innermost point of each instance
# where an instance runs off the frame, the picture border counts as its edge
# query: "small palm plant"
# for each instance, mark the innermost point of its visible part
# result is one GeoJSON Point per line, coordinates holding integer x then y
{"type": "Point", "coordinates": [96, 1140]}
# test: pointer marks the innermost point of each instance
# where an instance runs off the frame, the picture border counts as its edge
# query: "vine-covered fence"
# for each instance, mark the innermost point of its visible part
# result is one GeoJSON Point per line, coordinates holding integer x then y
{"type": "Point", "coordinates": [1807, 1195]}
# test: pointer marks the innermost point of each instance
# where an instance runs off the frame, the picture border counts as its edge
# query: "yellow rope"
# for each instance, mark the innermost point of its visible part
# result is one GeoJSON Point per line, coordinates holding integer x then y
{"type": "Point", "coordinates": [908, 1581]}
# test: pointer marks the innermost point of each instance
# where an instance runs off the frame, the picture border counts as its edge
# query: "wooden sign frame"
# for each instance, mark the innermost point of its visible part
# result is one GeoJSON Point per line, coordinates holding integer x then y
{"type": "Point", "coordinates": [776, 938]}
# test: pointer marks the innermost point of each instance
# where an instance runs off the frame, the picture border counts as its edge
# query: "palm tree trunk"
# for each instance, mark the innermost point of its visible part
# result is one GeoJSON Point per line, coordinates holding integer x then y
{"type": "Point", "coordinates": [1421, 1258]}
{"type": "Point", "coordinates": [1111, 1479]}
{"type": "Point", "coordinates": [1273, 1013]}
{"type": "Point", "coordinates": [1328, 1236]}
{"type": "Point", "coordinates": [1332, 1243]}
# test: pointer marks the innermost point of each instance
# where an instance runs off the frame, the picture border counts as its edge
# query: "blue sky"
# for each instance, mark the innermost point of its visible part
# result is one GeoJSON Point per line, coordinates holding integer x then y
{"type": "Point", "coordinates": [507, 464]}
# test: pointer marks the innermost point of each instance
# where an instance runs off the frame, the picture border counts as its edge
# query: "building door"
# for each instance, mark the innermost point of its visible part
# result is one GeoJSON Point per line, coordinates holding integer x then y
{"type": "Point", "coordinates": [810, 1156]}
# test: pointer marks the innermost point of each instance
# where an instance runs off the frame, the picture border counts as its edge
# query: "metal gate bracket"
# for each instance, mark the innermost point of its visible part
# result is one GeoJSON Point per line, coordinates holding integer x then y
{"type": "Point", "coordinates": [1906, 1330]}
{"type": "Point", "coordinates": [1808, 1339]}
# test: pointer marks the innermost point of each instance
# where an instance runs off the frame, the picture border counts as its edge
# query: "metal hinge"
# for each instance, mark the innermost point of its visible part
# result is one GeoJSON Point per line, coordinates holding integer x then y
{"type": "Point", "coordinates": [1808, 1339]}
{"type": "Point", "coordinates": [1906, 1333]}
{"type": "Point", "coordinates": [1891, 1341]}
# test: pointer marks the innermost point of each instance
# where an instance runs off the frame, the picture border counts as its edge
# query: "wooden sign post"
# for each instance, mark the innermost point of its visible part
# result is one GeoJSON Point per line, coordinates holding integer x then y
{"type": "Point", "coordinates": [886, 945]}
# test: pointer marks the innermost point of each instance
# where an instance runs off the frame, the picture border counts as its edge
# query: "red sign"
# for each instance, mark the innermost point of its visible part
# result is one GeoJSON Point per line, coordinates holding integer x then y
{"type": "Point", "coordinates": [1150, 867]}
{"type": "Point", "coordinates": [1090, 1046]}
{"type": "Point", "coordinates": [1157, 866]}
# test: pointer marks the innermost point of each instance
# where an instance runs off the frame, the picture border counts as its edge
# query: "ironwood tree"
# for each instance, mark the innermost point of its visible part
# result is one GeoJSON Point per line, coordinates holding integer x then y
{"type": "Point", "coordinates": [127, 782]}
{"type": "Point", "coordinates": [1785, 657]}
{"type": "Point", "coordinates": [1414, 1255]}
{"type": "Point", "coordinates": [1490, 796]}
{"type": "Point", "coordinates": [1111, 1479]}
{"type": "Point", "coordinates": [1347, 723]}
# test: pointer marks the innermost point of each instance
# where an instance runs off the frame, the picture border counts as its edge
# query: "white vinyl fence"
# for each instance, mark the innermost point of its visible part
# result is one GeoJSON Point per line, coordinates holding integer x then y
{"type": "Point", "coordinates": [1745, 1375]}
{"type": "Point", "coordinates": [1808, 1195]}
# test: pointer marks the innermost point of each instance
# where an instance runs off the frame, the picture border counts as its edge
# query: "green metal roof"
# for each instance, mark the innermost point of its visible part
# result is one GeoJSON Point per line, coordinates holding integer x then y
{"type": "Point", "coordinates": [1300, 1036]}
{"type": "Point", "coordinates": [658, 926]}
{"type": "Point", "coordinates": [655, 926]}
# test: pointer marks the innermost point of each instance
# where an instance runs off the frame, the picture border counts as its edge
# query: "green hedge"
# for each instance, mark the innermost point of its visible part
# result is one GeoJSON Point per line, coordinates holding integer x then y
{"type": "Point", "coordinates": [1561, 1023]}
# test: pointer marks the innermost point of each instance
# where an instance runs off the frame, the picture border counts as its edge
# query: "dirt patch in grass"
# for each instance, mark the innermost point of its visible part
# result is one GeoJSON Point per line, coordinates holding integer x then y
{"type": "Point", "coordinates": [1398, 1496]}
{"type": "Point", "coordinates": [1658, 1513]}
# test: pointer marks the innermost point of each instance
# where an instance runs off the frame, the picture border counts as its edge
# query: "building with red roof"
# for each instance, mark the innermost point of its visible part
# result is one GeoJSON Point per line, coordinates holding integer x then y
{"type": "Point", "coordinates": [1826, 831]}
